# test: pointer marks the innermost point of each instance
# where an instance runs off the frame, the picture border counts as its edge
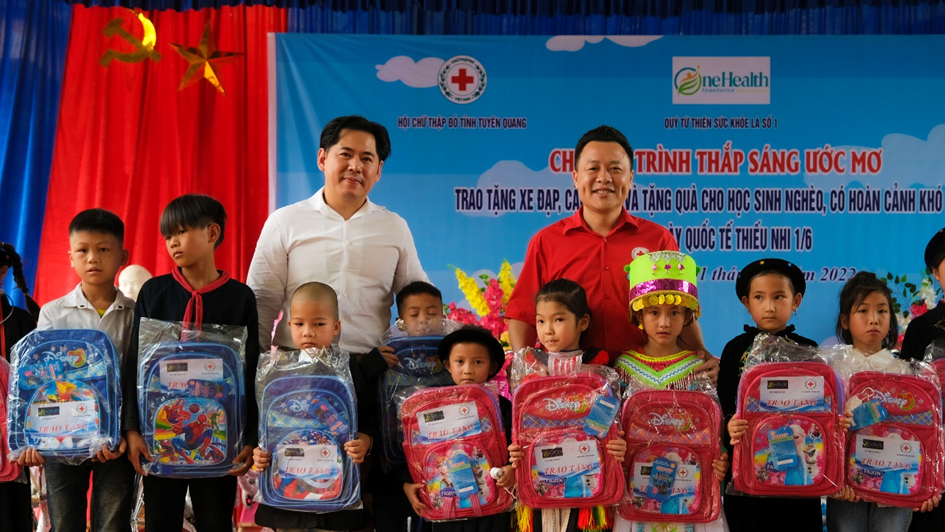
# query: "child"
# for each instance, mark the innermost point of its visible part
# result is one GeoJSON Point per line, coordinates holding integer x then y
{"type": "Point", "coordinates": [313, 323]}
{"type": "Point", "coordinates": [864, 321]}
{"type": "Point", "coordinates": [663, 301]}
{"type": "Point", "coordinates": [195, 293]}
{"type": "Point", "coordinates": [419, 309]}
{"type": "Point", "coordinates": [15, 323]}
{"type": "Point", "coordinates": [561, 317]}
{"type": "Point", "coordinates": [770, 290]}
{"type": "Point", "coordinates": [96, 238]}
{"type": "Point", "coordinates": [473, 356]}
{"type": "Point", "coordinates": [921, 332]}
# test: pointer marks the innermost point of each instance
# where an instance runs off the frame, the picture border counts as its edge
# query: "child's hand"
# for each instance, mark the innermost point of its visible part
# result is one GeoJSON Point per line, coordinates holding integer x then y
{"type": "Point", "coordinates": [516, 454]}
{"type": "Point", "coordinates": [507, 480]}
{"type": "Point", "coordinates": [720, 465]}
{"type": "Point", "coordinates": [846, 421]}
{"type": "Point", "coordinates": [242, 462]}
{"type": "Point", "coordinates": [136, 449]}
{"type": "Point", "coordinates": [930, 504]}
{"type": "Point", "coordinates": [30, 458]}
{"type": "Point", "coordinates": [617, 447]}
{"type": "Point", "coordinates": [736, 429]}
{"type": "Point", "coordinates": [356, 449]}
{"type": "Point", "coordinates": [261, 459]}
{"type": "Point", "coordinates": [413, 495]}
{"type": "Point", "coordinates": [845, 494]}
{"type": "Point", "coordinates": [106, 454]}
{"type": "Point", "coordinates": [388, 353]}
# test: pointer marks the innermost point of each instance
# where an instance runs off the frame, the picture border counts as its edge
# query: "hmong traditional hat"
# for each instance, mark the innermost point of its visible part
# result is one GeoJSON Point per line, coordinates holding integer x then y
{"type": "Point", "coordinates": [663, 277]}
{"type": "Point", "coordinates": [934, 250]}
{"type": "Point", "coordinates": [781, 266]}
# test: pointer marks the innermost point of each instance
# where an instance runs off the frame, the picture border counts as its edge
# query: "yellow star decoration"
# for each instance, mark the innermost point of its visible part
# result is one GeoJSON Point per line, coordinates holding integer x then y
{"type": "Point", "coordinates": [207, 56]}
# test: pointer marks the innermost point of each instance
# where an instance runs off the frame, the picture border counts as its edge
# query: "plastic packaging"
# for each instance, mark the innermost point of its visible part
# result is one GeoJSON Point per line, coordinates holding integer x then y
{"type": "Point", "coordinates": [8, 469]}
{"type": "Point", "coordinates": [532, 363]}
{"type": "Point", "coordinates": [672, 438]}
{"type": "Point", "coordinates": [453, 438]}
{"type": "Point", "coordinates": [935, 356]}
{"type": "Point", "coordinates": [308, 411]}
{"type": "Point", "coordinates": [792, 400]}
{"type": "Point", "coordinates": [563, 424]}
{"type": "Point", "coordinates": [65, 394]}
{"type": "Point", "coordinates": [191, 397]}
{"type": "Point", "coordinates": [418, 365]}
{"type": "Point", "coordinates": [895, 448]}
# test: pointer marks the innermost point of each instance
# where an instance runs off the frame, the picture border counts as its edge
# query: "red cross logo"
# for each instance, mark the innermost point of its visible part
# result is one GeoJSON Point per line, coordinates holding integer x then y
{"type": "Point", "coordinates": [906, 448]}
{"type": "Point", "coordinates": [325, 453]}
{"type": "Point", "coordinates": [81, 409]}
{"type": "Point", "coordinates": [811, 384]}
{"type": "Point", "coordinates": [584, 448]}
{"type": "Point", "coordinates": [209, 366]}
{"type": "Point", "coordinates": [464, 410]}
{"type": "Point", "coordinates": [683, 473]}
{"type": "Point", "coordinates": [462, 79]}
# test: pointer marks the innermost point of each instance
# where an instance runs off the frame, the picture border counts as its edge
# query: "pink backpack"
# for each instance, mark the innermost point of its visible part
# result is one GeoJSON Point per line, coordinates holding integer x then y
{"type": "Point", "coordinates": [672, 438]}
{"type": "Point", "coordinates": [794, 443]}
{"type": "Point", "coordinates": [453, 437]}
{"type": "Point", "coordinates": [8, 470]}
{"type": "Point", "coordinates": [897, 460]}
{"type": "Point", "coordinates": [564, 466]}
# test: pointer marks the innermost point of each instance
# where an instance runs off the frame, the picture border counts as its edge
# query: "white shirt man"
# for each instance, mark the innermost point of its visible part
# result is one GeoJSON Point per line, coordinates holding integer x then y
{"type": "Point", "coordinates": [338, 237]}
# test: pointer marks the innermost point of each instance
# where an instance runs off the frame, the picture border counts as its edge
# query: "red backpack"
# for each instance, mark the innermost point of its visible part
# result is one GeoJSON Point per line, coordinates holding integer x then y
{"type": "Point", "coordinates": [794, 443]}
{"type": "Point", "coordinates": [672, 438]}
{"type": "Point", "coordinates": [453, 437]}
{"type": "Point", "coordinates": [8, 470]}
{"type": "Point", "coordinates": [564, 466]}
{"type": "Point", "coordinates": [898, 459]}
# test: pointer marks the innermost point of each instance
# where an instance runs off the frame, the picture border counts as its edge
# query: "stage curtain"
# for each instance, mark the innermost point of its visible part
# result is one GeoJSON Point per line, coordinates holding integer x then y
{"type": "Point", "coordinates": [33, 38]}
{"type": "Point", "coordinates": [129, 141]}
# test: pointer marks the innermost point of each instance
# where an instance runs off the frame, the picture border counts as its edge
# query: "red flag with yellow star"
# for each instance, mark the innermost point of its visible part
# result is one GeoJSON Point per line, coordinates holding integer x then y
{"type": "Point", "coordinates": [142, 121]}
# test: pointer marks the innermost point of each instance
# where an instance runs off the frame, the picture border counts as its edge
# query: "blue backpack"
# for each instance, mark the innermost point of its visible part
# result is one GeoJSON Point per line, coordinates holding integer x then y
{"type": "Point", "coordinates": [419, 366]}
{"type": "Point", "coordinates": [65, 395]}
{"type": "Point", "coordinates": [191, 404]}
{"type": "Point", "coordinates": [305, 422]}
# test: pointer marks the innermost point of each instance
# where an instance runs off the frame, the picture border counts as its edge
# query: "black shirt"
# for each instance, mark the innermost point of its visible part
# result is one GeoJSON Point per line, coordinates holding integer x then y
{"type": "Point", "coordinates": [17, 323]}
{"type": "Point", "coordinates": [922, 331]}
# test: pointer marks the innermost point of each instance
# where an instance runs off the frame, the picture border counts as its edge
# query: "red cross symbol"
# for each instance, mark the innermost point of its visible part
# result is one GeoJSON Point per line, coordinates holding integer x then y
{"type": "Point", "coordinates": [462, 79]}
{"type": "Point", "coordinates": [81, 409]}
{"type": "Point", "coordinates": [325, 452]}
{"type": "Point", "coordinates": [209, 366]}
{"type": "Point", "coordinates": [584, 448]}
{"type": "Point", "coordinates": [810, 384]}
{"type": "Point", "coordinates": [463, 410]}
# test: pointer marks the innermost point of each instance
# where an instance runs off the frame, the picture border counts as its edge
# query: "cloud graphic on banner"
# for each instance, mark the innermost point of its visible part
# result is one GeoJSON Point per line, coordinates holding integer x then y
{"type": "Point", "coordinates": [516, 176]}
{"type": "Point", "coordinates": [573, 43]}
{"type": "Point", "coordinates": [907, 160]}
{"type": "Point", "coordinates": [419, 75]}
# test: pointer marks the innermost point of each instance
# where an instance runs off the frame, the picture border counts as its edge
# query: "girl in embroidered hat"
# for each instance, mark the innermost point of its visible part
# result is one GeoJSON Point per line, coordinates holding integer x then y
{"type": "Point", "coordinates": [663, 300]}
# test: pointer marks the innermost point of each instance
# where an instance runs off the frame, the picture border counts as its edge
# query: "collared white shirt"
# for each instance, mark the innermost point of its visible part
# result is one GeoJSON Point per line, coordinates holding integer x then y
{"type": "Point", "coordinates": [366, 259]}
{"type": "Point", "coordinates": [73, 311]}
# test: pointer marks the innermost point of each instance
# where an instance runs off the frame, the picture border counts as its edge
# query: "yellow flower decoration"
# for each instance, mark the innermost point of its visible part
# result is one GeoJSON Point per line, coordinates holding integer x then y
{"type": "Point", "coordinates": [506, 281]}
{"type": "Point", "coordinates": [472, 292]}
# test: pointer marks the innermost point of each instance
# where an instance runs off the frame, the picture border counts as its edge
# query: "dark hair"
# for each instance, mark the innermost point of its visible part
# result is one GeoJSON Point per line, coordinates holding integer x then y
{"type": "Point", "coordinates": [416, 288]}
{"type": "Point", "coordinates": [779, 273]}
{"type": "Point", "coordinates": [565, 292]}
{"type": "Point", "coordinates": [331, 134]}
{"type": "Point", "coordinates": [9, 257]}
{"type": "Point", "coordinates": [603, 134]}
{"type": "Point", "coordinates": [99, 221]}
{"type": "Point", "coordinates": [193, 211]}
{"type": "Point", "coordinates": [853, 293]}
{"type": "Point", "coordinates": [320, 292]}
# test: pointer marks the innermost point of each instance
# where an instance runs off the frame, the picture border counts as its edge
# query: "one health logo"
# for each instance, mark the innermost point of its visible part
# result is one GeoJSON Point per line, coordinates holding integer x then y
{"type": "Point", "coordinates": [722, 80]}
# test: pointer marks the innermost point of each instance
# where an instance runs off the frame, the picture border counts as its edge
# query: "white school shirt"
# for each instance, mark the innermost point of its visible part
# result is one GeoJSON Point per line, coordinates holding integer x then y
{"type": "Point", "coordinates": [73, 311]}
{"type": "Point", "coordinates": [365, 259]}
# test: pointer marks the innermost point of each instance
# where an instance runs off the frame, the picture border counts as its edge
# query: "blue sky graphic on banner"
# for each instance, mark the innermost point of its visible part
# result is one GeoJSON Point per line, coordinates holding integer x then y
{"type": "Point", "coordinates": [826, 151]}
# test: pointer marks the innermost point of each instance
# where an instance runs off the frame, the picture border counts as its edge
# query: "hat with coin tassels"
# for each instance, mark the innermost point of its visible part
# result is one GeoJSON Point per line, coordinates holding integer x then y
{"type": "Point", "coordinates": [663, 277]}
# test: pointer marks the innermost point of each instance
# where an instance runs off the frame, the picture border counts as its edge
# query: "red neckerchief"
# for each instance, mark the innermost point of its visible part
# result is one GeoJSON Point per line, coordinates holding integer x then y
{"type": "Point", "coordinates": [194, 311]}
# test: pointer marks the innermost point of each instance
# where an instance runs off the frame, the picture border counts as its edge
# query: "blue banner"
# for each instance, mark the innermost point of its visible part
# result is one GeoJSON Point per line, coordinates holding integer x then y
{"type": "Point", "coordinates": [826, 151]}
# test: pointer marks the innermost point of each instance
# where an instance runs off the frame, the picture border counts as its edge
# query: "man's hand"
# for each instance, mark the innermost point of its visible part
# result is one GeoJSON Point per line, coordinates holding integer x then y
{"type": "Point", "coordinates": [242, 462]}
{"type": "Point", "coordinates": [261, 459]}
{"type": "Point", "coordinates": [710, 366]}
{"type": "Point", "coordinates": [106, 454]}
{"type": "Point", "coordinates": [30, 458]}
{"type": "Point", "coordinates": [358, 448]}
{"type": "Point", "coordinates": [413, 495]}
{"type": "Point", "coordinates": [137, 448]}
{"type": "Point", "coordinates": [387, 352]}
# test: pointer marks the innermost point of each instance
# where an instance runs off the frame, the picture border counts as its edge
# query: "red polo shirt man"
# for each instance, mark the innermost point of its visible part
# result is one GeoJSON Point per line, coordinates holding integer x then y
{"type": "Point", "coordinates": [591, 248]}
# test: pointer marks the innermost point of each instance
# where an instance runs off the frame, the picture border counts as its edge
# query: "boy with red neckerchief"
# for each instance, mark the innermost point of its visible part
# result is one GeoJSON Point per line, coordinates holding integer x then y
{"type": "Point", "coordinates": [195, 293]}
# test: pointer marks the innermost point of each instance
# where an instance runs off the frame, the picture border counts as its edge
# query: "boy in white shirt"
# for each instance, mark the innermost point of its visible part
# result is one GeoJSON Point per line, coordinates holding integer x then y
{"type": "Point", "coordinates": [96, 238]}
